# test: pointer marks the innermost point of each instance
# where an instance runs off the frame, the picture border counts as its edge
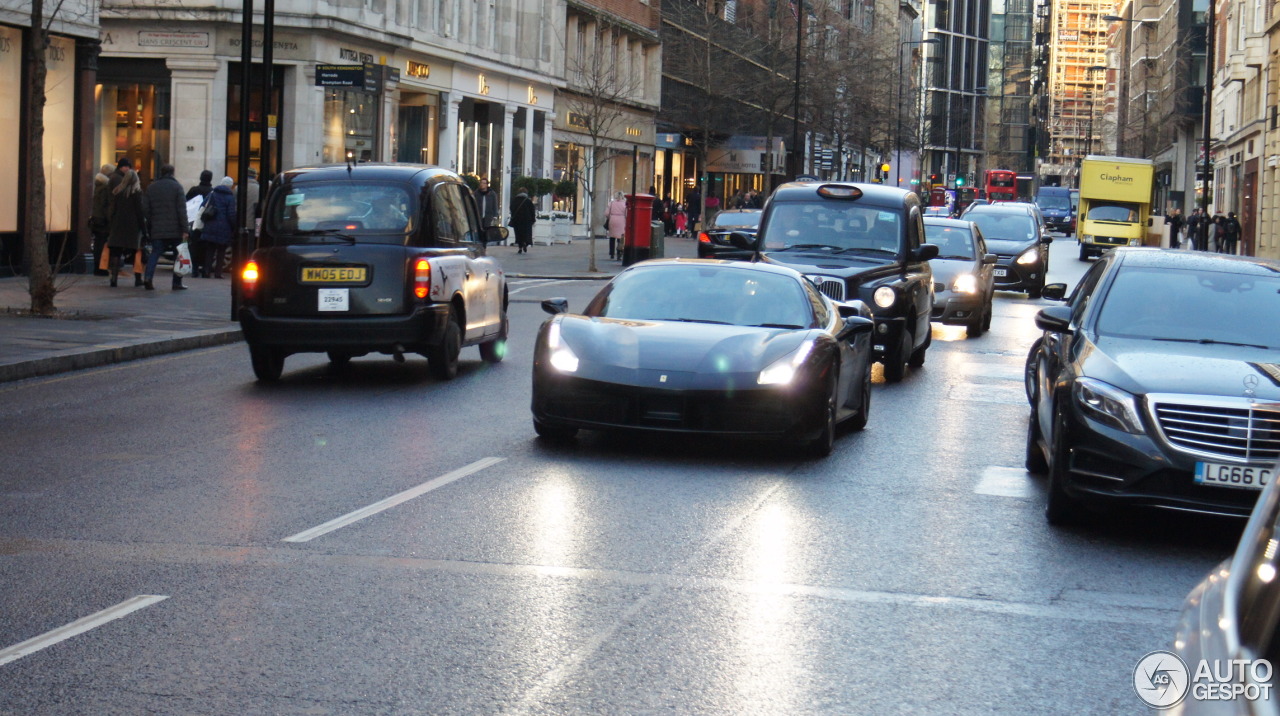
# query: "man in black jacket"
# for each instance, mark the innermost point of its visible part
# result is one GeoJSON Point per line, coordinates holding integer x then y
{"type": "Point", "coordinates": [487, 199]}
{"type": "Point", "coordinates": [167, 219]}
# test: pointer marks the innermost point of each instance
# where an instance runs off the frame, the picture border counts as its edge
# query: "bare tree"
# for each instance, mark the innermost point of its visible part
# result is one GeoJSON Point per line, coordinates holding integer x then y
{"type": "Point", "coordinates": [850, 88]}
{"type": "Point", "coordinates": [602, 82]}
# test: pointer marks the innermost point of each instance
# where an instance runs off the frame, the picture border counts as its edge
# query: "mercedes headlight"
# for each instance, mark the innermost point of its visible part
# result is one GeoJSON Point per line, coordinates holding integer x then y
{"type": "Point", "coordinates": [1108, 405]}
{"type": "Point", "coordinates": [783, 370]}
{"type": "Point", "coordinates": [1030, 256]}
{"type": "Point", "coordinates": [562, 357]}
{"type": "Point", "coordinates": [884, 296]}
{"type": "Point", "coordinates": [965, 283]}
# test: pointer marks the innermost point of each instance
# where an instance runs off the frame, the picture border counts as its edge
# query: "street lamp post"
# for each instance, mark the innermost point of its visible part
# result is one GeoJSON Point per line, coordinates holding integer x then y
{"type": "Point", "coordinates": [795, 108]}
{"type": "Point", "coordinates": [897, 134]}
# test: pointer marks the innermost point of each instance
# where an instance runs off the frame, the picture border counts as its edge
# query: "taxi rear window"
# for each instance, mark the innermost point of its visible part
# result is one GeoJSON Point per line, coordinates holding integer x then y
{"type": "Point", "coordinates": [325, 212]}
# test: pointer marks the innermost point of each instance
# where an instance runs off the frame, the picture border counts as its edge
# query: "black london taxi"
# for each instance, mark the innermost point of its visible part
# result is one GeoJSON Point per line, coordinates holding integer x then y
{"type": "Point", "coordinates": [865, 242]}
{"type": "Point", "coordinates": [372, 258]}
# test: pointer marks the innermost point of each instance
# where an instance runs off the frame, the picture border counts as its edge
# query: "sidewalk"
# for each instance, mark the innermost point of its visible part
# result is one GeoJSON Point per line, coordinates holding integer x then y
{"type": "Point", "coordinates": [104, 325]}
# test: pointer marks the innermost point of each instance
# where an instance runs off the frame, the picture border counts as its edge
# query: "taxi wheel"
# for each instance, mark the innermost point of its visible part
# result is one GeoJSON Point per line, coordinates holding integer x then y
{"type": "Point", "coordinates": [917, 356]}
{"type": "Point", "coordinates": [496, 349]}
{"type": "Point", "coordinates": [444, 357]}
{"type": "Point", "coordinates": [895, 364]}
{"type": "Point", "coordinates": [268, 363]}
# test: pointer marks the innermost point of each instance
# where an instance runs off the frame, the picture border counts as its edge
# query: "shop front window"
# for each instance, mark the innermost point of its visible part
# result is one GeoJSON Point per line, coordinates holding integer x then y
{"type": "Point", "coordinates": [258, 148]}
{"type": "Point", "coordinates": [568, 167]}
{"type": "Point", "coordinates": [133, 114]}
{"type": "Point", "coordinates": [480, 138]}
{"type": "Point", "coordinates": [11, 87]}
{"type": "Point", "coordinates": [519, 141]}
{"type": "Point", "coordinates": [416, 124]}
{"type": "Point", "coordinates": [350, 119]}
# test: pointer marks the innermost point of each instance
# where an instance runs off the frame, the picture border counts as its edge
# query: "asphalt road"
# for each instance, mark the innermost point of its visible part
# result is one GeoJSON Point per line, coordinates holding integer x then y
{"type": "Point", "coordinates": [910, 572]}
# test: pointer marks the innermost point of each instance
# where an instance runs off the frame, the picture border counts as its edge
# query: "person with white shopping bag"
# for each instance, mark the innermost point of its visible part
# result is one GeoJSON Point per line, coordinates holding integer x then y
{"type": "Point", "coordinates": [167, 222]}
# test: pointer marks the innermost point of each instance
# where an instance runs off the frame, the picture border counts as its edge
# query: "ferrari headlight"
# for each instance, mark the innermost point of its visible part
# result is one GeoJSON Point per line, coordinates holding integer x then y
{"type": "Point", "coordinates": [884, 296]}
{"type": "Point", "coordinates": [783, 370]}
{"type": "Point", "coordinates": [965, 283]}
{"type": "Point", "coordinates": [1108, 405]}
{"type": "Point", "coordinates": [1031, 256]}
{"type": "Point", "coordinates": [562, 357]}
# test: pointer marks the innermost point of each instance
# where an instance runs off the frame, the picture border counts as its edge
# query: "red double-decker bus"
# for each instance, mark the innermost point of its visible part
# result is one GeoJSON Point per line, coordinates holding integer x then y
{"type": "Point", "coordinates": [1000, 185]}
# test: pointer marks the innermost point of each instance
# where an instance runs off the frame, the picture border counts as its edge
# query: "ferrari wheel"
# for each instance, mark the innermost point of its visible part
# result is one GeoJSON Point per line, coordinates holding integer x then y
{"type": "Point", "coordinates": [822, 445]}
{"type": "Point", "coordinates": [917, 356]}
{"type": "Point", "coordinates": [859, 421]}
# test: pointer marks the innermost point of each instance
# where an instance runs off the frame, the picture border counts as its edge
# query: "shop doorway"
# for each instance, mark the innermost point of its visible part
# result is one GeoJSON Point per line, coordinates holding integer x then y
{"type": "Point", "coordinates": [416, 123]}
{"type": "Point", "coordinates": [133, 114]}
{"type": "Point", "coordinates": [263, 130]}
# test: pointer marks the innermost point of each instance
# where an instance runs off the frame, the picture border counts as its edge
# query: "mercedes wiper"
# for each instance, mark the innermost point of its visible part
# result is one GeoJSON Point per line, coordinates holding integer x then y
{"type": "Point", "coordinates": [1212, 342]}
{"type": "Point", "coordinates": [868, 249]}
{"type": "Point", "coordinates": [775, 325]}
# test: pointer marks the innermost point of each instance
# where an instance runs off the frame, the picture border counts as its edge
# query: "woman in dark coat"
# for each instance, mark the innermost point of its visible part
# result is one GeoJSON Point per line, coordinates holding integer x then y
{"type": "Point", "coordinates": [218, 231]}
{"type": "Point", "coordinates": [128, 220]}
{"type": "Point", "coordinates": [523, 217]}
{"type": "Point", "coordinates": [198, 250]}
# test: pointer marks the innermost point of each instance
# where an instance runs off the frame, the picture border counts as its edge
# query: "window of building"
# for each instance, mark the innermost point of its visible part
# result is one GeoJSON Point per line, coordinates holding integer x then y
{"type": "Point", "coordinates": [133, 114]}
{"type": "Point", "coordinates": [11, 87]}
{"type": "Point", "coordinates": [262, 141]}
{"type": "Point", "coordinates": [349, 121]}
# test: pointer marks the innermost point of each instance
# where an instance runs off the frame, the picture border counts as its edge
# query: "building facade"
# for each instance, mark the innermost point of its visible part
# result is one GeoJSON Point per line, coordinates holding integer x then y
{"type": "Point", "coordinates": [1076, 76]}
{"type": "Point", "coordinates": [69, 161]}
{"type": "Point", "coordinates": [1011, 119]}
{"type": "Point", "coordinates": [955, 89]}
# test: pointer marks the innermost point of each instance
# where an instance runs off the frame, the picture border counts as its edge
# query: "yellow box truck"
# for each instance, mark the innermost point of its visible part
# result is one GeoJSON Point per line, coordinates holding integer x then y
{"type": "Point", "coordinates": [1115, 203]}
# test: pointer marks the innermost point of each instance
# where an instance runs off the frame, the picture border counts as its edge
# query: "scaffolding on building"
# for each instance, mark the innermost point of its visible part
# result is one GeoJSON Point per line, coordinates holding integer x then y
{"type": "Point", "coordinates": [1077, 54]}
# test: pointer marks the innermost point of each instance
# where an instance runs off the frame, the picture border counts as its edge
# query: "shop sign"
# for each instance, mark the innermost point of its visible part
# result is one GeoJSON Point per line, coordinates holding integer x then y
{"type": "Point", "coordinates": [148, 38]}
{"type": "Point", "coordinates": [577, 120]}
{"type": "Point", "coordinates": [350, 55]}
{"type": "Point", "coordinates": [417, 69]}
{"type": "Point", "coordinates": [340, 76]}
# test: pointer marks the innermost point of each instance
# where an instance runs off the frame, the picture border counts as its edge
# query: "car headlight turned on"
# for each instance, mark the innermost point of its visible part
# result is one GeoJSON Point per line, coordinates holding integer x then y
{"type": "Point", "coordinates": [1087, 238]}
{"type": "Point", "coordinates": [783, 370]}
{"type": "Point", "coordinates": [1108, 405]}
{"type": "Point", "coordinates": [562, 357]}
{"type": "Point", "coordinates": [884, 296]}
{"type": "Point", "coordinates": [965, 283]}
{"type": "Point", "coordinates": [1029, 257]}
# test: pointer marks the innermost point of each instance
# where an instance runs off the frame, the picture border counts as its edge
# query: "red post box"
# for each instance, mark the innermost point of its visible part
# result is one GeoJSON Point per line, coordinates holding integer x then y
{"type": "Point", "coordinates": [636, 239]}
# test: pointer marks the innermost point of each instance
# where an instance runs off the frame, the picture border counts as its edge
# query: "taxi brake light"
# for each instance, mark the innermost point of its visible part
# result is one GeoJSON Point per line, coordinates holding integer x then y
{"type": "Point", "coordinates": [704, 237]}
{"type": "Point", "coordinates": [421, 278]}
{"type": "Point", "coordinates": [249, 278]}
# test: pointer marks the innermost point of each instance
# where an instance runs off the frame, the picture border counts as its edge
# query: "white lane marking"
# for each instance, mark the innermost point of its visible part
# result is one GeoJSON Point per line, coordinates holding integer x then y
{"type": "Point", "coordinates": [1005, 482]}
{"type": "Point", "coordinates": [1002, 393]}
{"type": "Point", "coordinates": [79, 626]}
{"type": "Point", "coordinates": [388, 503]}
{"type": "Point", "coordinates": [1002, 371]}
{"type": "Point", "coordinates": [536, 285]}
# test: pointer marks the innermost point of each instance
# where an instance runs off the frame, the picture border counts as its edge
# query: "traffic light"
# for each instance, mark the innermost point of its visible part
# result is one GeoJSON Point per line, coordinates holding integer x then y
{"type": "Point", "coordinates": [960, 180]}
{"type": "Point", "coordinates": [885, 168]}
{"type": "Point", "coordinates": [934, 178]}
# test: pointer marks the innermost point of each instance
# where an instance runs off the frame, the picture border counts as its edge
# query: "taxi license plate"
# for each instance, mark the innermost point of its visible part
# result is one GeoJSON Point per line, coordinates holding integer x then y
{"type": "Point", "coordinates": [1249, 477]}
{"type": "Point", "coordinates": [334, 274]}
{"type": "Point", "coordinates": [999, 272]}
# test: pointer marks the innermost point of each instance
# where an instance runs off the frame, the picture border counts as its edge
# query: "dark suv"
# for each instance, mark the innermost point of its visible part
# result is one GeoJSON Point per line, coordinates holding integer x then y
{"type": "Point", "coordinates": [865, 242]}
{"type": "Point", "coordinates": [1020, 243]}
{"type": "Point", "coordinates": [385, 258]}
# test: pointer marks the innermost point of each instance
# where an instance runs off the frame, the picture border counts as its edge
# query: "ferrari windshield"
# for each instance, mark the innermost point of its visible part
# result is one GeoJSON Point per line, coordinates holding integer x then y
{"type": "Point", "coordinates": [706, 294]}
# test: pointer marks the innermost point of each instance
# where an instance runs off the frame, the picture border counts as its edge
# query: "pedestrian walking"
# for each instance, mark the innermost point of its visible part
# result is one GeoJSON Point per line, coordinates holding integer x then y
{"type": "Point", "coordinates": [253, 199]}
{"type": "Point", "coordinates": [657, 205]}
{"type": "Point", "coordinates": [1175, 229]}
{"type": "Point", "coordinates": [1230, 234]}
{"type": "Point", "coordinates": [219, 217]}
{"type": "Point", "coordinates": [127, 217]}
{"type": "Point", "coordinates": [198, 247]}
{"type": "Point", "coordinates": [99, 222]}
{"type": "Point", "coordinates": [1196, 229]}
{"type": "Point", "coordinates": [1217, 232]}
{"type": "Point", "coordinates": [523, 217]}
{"type": "Point", "coordinates": [681, 221]}
{"type": "Point", "coordinates": [487, 199]}
{"type": "Point", "coordinates": [753, 200]}
{"type": "Point", "coordinates": [166, 223]}
{"type": "Point", "coordinates": [694, 208]}
{"type": "Point", "coordinates": [616, 218]}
